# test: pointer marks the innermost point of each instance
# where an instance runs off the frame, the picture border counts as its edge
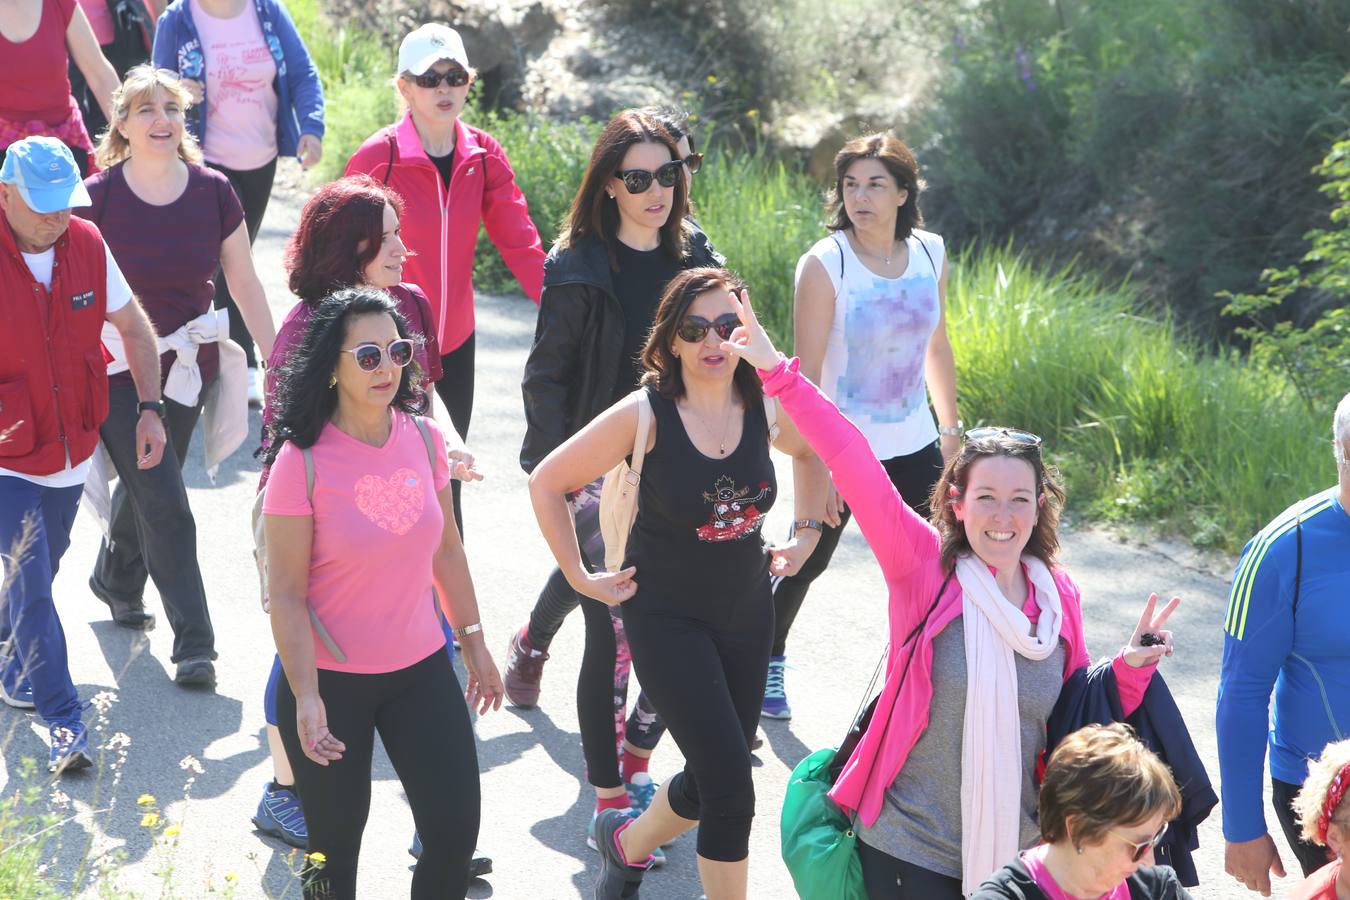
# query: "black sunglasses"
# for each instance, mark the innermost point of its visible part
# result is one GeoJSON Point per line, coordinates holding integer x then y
{"type": "Point", "coordinates": [455, 76]}
{"type": "Point", "coordinates": [1142, 848]}
{"type": "Point", "coordinates": [695, 328]}
{"type": "Point", "coordinates": [369, 356]}
{"type": "Point", "coordinates": [1022, 437]}
{"type": "Point", "coordinates": [638, 180]}
{"type": "Point", "coordinates": [694, 162]}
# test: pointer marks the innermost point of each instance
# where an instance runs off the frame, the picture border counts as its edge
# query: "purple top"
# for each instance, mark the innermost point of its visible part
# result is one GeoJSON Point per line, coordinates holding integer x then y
{"type": "Point", "coordinates": [170, 253]}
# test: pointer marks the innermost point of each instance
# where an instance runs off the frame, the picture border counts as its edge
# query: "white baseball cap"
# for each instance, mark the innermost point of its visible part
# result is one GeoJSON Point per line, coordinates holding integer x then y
{"type": "Point", "coordinates": [428, 45]}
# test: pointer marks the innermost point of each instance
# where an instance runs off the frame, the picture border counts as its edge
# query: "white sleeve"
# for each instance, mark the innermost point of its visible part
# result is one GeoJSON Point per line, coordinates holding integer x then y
{"type": "Point", "coordinates": [117, 291]}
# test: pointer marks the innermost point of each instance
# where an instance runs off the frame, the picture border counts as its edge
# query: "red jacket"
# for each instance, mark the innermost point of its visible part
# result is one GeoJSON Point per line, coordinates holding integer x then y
{"type": "Point", "coordinates": [442, 228]}
{"type": "Point", "coordinates": [53, 375]}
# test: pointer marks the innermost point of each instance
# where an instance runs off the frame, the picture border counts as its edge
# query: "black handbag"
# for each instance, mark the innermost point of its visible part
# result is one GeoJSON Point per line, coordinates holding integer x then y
{"type": "Point", "coordinates": [864, 717]}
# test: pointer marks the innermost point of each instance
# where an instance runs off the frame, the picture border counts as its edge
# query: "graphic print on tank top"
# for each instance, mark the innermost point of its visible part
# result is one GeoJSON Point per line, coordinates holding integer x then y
{"type": "Point", "coordinates": [394, 503]}
{"type": "Point", "coordinates": [734, 515]}
{"type": "Point", "coordinates": [883, 382]}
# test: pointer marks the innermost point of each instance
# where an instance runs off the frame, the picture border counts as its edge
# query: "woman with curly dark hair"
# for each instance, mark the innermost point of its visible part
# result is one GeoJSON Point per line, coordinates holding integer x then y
{"type": "Point", "coordinates": [358, 518]}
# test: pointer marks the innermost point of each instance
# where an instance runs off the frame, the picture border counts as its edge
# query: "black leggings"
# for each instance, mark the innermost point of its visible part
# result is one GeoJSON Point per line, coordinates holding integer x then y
{"type": "Point", "coordinates": [702, 660]}
{"type": "Point", "coordinates": [913, 476]}
{"type": "Point", "coordinates": [254, 189]}
{"type": "Point", "coordinates": [456, 392]}
{"type": "Point", "coordinates": [424, 723]}
{"type": "Point", "coordinates": [888, 878]}
{"type": "Point", "coordinates": [1310, 856]}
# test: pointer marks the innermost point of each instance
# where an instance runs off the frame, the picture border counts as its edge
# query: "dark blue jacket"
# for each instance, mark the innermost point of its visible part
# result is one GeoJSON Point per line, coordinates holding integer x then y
{"type": "Point", "coordinates": [1091, 697]}
{"type": "Point", "coordinates": [299, 93]}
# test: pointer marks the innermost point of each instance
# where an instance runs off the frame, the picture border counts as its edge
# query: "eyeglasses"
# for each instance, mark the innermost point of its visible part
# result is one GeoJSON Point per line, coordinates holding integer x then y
{"type": "Point", "coordinates": [369, 356]}
{"type": "Point", "coordinates": [638, 180]}
{"type": "Point", "coordinates": [1142, 848]}
{"type": "Point", "coordinates": [695, 328]}
{"type": "Point", "coordinates": [693, 162]}
{"type": "Point", "coordinates": [455, 76]}
{"type": "Point", "coordinates": [1022, 437]}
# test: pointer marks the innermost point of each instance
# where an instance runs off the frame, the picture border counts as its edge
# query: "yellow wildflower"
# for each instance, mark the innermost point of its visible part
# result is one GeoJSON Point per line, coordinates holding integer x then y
{"type": "Point", "coordinates": [686, 94]}
{"type": "Point", "coordinates": [693, 117]}
{"type": "Point", "coordinates": [173, 831]}
{"type": "Point", "coordinates": [231, 877]}
{"type": "Point", "coordinates": [751, 113]}
{"type": "Point", "coordinates": [145, 800]}
{"type": "Point", "coordinates": [317, 858]}
{"type": "Point", "coordinates": [712, 79]}
{"type": "Point", "coordinates": [150, 820]}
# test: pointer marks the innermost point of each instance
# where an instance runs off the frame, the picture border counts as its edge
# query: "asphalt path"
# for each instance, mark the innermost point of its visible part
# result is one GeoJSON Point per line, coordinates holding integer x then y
{"type": "Point", "coordinates": [536, 803]}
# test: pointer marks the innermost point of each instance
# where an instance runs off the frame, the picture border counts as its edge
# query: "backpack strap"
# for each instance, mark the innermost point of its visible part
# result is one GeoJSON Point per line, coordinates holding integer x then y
{"type": "Point", "coordinates": [427, 439]}
{"type": "Point", "coordinates": [319, 629]}
{"type": "Point", "coordinates": [393, 150]}
{"type": "Point", "coordinates": [771, 418]}
{"type": "Point", "coordinates": [640, 439]}
{"type": "Point", "coordinates": [1298, 565]}
{"type": "Point", "coordinates": [931, 264]}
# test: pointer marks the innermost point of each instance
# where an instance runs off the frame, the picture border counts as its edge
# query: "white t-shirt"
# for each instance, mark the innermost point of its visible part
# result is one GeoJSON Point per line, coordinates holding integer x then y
{"type": "Point", "coordinates": [874, 359]}
{"type": "Point", "coordinates": [118, 294]}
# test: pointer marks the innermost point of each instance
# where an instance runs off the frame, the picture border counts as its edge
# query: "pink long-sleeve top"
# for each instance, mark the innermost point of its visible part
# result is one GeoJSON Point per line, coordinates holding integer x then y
{"type": "Point", "coordinates": [909, 552]}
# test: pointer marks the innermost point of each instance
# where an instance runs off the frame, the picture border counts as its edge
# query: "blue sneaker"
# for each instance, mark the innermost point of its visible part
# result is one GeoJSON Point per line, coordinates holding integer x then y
{"type": "Point", "coordinates": [658, 855]}
{"type": "Point", "coordinates": [70, 748]}
{"type": "Point", "coordinates": [19, 698]}
{"type": "Point", "coordinates": [279, 814]}
{"type": "Point", "coordinates": [478, 866]}
{"type": "Point", "coordinates": [775, 704]}
{"type": "Point", "coordinates": [641, 792]}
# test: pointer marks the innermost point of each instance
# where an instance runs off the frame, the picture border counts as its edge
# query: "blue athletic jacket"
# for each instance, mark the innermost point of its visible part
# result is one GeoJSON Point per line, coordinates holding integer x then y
{"type": "Point", "coordinates": [299, 93]}
{"type": "Point", "coordinates": [1303, 655]}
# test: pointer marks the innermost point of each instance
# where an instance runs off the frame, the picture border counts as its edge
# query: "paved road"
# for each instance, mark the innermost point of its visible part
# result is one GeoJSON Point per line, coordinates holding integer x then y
{"type": "Point", "coordinates": [536, 804]}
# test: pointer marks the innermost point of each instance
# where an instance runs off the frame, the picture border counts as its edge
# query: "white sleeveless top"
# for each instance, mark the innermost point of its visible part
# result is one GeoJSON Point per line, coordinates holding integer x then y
{"type": "Point", "coordinates": [874, 359]}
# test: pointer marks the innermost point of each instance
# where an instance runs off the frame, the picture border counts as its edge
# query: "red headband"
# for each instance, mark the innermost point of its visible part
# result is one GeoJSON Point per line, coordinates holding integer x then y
{"type": "Point", "coordinates": [1339, 785]}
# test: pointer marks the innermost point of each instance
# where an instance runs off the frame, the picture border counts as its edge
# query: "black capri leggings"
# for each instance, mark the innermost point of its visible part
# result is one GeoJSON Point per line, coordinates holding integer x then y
{"type": "Point", "coordinates": [913, 476]}
{"type": "Point", "coordinates": [456, 391]}
{"type": "Point", "coordinates": [424, 723]}
{"type": "Point", "coordinates": [702, 661]}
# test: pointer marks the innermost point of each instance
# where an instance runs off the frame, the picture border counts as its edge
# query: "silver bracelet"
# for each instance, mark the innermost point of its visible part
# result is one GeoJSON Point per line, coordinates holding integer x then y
{"type": "Point", "coordinates": [468, 630]}
{"type": "Point", "coordinates": [952, 430]}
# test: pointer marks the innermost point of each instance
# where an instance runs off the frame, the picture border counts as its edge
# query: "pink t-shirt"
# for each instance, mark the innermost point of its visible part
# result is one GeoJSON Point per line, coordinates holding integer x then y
{"type": "Point", "coordinates": [100, 19]}
{"type": "Point", "coordinates": [1034, 860]}
{"type": "Point", "coordinates": [377, 524]}
{"type": "Point", "coordinates": [241, 100]}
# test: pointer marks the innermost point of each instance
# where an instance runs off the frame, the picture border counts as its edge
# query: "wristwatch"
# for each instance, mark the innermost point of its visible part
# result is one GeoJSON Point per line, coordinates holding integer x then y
{"type": "Point", "coordinates": [468, 630]}
{"type": "Point", "coordinates": [807, 523]}
{"type": "Point", "coordinates": [952, 430]}
{"type": "Point", "coordinates": [154, 406]}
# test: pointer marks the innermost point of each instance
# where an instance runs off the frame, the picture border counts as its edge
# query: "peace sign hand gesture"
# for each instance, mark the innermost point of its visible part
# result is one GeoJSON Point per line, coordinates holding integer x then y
{"type": "Point", "coordinates": [1150, 642]}
{"type": "Point", "coordinates": [750, 341]}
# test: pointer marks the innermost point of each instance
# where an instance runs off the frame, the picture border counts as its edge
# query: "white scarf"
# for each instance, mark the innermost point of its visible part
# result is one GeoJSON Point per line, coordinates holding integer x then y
{"type": "Point", "coordinates": [991, 743]}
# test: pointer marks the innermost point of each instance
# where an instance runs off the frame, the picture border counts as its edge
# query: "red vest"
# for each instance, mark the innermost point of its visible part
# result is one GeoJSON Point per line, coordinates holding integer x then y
{"type": "Point", "coordinates": [53, 375]}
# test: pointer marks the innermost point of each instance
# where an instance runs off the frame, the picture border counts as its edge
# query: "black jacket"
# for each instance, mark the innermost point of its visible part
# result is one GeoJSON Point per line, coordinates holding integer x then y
{"type": "Point", "coordinates": [1014, 882]}
{"type": "Point", "coordinates": [578, 343]}
{"type": "Point", "coordinates": [1091, 697]}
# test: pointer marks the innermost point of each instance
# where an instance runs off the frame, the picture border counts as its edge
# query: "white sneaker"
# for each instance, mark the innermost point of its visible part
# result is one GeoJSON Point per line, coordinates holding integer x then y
{"type": "Point", "coordinates": [255, 393]}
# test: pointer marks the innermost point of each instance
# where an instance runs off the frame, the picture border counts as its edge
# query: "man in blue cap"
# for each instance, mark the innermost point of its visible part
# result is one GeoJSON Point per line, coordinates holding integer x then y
{"type": "Point", "coordinates": [58, 285]}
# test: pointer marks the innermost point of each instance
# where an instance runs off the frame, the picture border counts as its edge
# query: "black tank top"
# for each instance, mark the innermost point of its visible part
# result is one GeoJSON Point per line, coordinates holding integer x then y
{"type": "Point", "coordinates": [699, 518]}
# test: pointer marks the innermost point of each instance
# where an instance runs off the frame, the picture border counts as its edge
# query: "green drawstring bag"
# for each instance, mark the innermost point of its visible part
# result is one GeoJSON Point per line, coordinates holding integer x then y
{"type": "Point", "coordinates": [819, 846]}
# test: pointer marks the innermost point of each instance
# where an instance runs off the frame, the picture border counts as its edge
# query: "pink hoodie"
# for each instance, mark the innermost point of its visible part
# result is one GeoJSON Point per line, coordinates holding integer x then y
{"type": "Point", "coordinates": [908, 550]}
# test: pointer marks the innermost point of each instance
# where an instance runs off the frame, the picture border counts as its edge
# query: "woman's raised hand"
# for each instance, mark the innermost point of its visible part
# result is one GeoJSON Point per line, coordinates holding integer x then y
{"type": "Point", "coordinates": [750, 341]}
{"type": "Point", "coordinates": [1140, 652]}
{"type": "Point", "coordinates": [610, 588]}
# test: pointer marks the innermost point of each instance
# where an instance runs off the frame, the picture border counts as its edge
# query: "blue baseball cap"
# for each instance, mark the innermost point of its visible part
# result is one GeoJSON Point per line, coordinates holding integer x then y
{"type": "Point", "coordinates": [44, 171]}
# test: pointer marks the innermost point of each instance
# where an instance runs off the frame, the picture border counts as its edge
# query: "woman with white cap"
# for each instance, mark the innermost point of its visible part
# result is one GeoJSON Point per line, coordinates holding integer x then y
{"type": "Point", "coordinates": [453, 177]}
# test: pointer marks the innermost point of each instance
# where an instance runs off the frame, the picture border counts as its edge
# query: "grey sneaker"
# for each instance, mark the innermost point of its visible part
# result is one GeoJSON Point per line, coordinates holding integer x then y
{"type": "Point", "coordinates": [618, 879]}
{"type": "Point", "coordinates": [198, 672]}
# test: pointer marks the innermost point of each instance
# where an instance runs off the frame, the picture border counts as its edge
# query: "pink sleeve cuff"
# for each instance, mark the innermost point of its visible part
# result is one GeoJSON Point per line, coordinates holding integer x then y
{"type": "Point", "coordinates": [1131, 682]}
{"type": "Point", "coordinates": [780, 376]}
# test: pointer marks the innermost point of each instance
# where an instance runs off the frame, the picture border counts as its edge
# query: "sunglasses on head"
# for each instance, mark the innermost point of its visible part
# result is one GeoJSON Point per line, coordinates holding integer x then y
{"type": "Point", "coordinates": [638, 180]}
{"type": "Point", "coordinates": [455, 76]}
{"type": "Point", "coordinates": [693, 162]}
{"type": "Point", "coordinates": [368, 356]}
{"type": "Point", "coordinates": [1022, 437]}
{"type": "Point", "coordinates": [695, 328]}
{"type": "Point", "coordinates": [1142, 848]}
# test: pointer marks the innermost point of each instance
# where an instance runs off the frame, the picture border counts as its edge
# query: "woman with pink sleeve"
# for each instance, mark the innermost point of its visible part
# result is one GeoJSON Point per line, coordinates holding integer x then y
{"type": "Point", "coordinates": [941, 786]}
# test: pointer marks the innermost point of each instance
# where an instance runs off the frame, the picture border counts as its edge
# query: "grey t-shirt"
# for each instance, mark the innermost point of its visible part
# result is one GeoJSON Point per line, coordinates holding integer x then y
{"type": "Point", "coordinates": [920, 822]}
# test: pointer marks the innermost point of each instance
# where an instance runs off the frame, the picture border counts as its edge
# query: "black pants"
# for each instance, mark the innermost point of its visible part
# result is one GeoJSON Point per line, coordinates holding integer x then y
{"type": "Point", "coordinates": [456, 392]}
{"type": "Point", "coordinates": [888, 878]}
{"type": "Point", "coordinates": [1310, 856]}
{"type": "Point", "coordinates": [152, 531]}
{"type": "Point", "coordinates": [423, 722]}
{"type": "Point", "coordinates": [254, 189]}
{"type": "Point", "coordinates": [913, 476]}
{"type": "Point", "coordinates": [702, 661]}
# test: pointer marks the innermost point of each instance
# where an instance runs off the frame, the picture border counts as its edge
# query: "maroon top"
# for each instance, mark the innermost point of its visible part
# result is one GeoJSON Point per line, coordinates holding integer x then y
{"type": "Point", "coordinates": [169, 254]}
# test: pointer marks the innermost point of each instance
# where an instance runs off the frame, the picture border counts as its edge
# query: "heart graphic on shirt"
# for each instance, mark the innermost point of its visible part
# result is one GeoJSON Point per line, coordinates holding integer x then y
{"type": "Point", "coordinates": [393, 503]}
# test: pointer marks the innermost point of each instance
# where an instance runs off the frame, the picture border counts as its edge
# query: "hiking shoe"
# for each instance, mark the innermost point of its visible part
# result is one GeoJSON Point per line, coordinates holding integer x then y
{"type": "Point", "coordinates": [618, 880]}
{"type": "Point", "coordinates": [775, 704]}
{"type": "Point", "coordinates": [279, 814]}
{"type": "Point", "coordinates": [478, 866]}
{"type": "Point", "coordinates": [19, 698]}
{"type": "Point", "coordinates": [756, 742]}
{"type": "Point", "coordinates": [524, 670]}
{"type": "Point", "coordinates": [70, 748]}
{"type": "Point", "coordinates": [658, 857]}
{"type": "Point", "coordinates": [196, 672]}
{"type": "Point", "coordinates": [641, 792]}
{"type": "Point", "coordinates": [127, 613]}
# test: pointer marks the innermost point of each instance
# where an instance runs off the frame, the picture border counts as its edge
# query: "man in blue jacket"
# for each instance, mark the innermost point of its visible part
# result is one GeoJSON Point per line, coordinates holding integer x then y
{"type": "Point", "coordinates": [1287, 628]}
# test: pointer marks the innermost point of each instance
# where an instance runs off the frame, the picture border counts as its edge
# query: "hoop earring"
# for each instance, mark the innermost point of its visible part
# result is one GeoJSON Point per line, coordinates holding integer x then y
{"type": "Point", "coordinates": [332, 381]}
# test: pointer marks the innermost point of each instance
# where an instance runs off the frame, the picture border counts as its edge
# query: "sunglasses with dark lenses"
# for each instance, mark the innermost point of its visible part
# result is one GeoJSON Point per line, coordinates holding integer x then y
{"type": "Point", "coordinates": [431, 79]}
{"type": "Point", "coordinates": [638, 180]}
{"type": "Point", "coordinates": [695, 328]}
{"type": "Point", "coordinates": [693, 162]}
{"type": "Point", "coordinates": [1141, 849]}
{"type": "Point", "coordinates": [369, 356]}
{"type": "Point", "coordinates": [1022, 437]}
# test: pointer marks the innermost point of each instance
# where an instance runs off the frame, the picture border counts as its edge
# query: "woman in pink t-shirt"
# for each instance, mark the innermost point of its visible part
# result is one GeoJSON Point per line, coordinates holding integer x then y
{"type": "Point", "coordinates": [360, 537]}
